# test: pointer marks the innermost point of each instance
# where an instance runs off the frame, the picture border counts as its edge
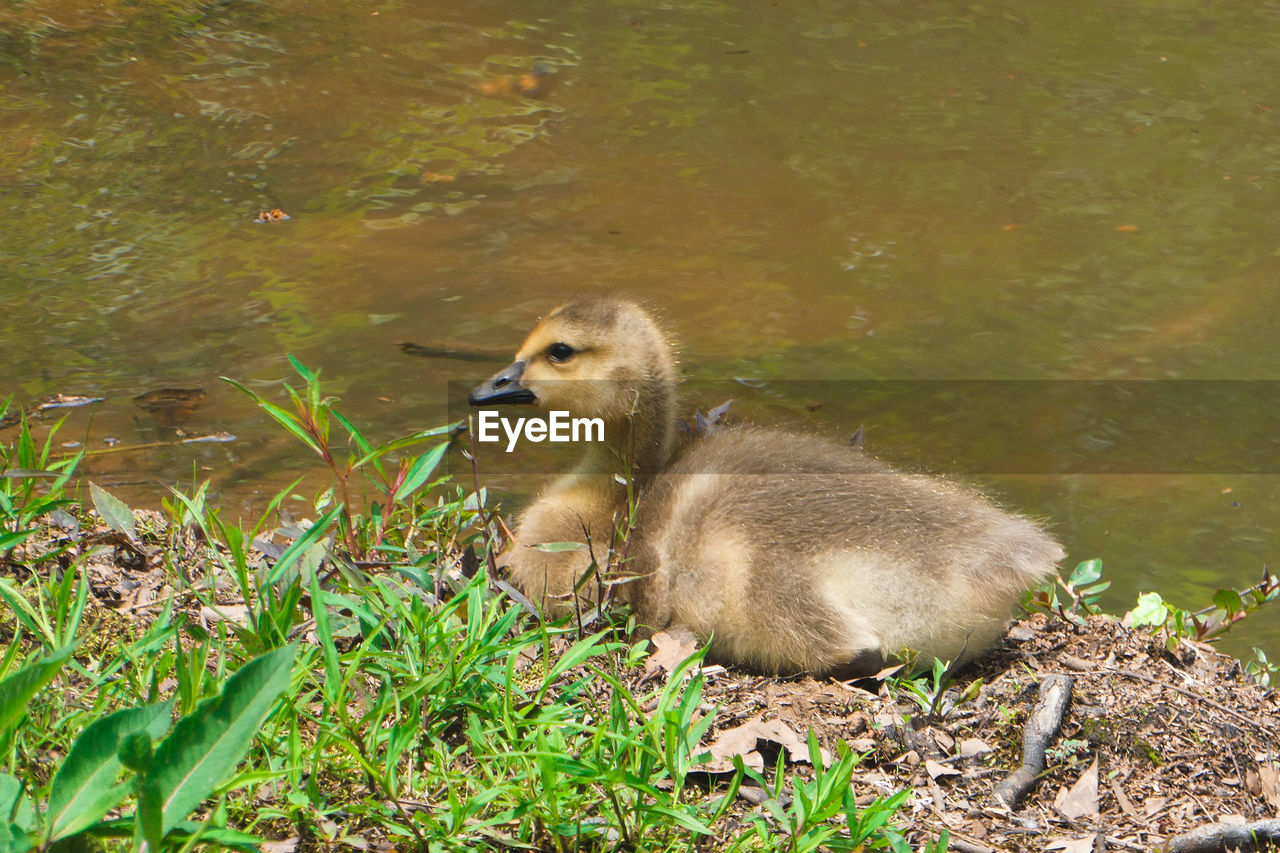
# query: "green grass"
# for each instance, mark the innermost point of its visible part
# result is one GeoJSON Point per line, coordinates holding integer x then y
{"type": "Point", "coordinates": [370, 681]}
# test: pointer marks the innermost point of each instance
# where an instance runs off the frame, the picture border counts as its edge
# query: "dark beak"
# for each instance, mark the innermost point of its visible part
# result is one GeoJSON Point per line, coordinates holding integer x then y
{"type": "Point", "coordinates": [503, 387]}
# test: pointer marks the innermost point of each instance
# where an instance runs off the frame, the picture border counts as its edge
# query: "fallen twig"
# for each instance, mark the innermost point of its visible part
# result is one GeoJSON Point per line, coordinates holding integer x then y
{"type": "Point", "coordinates": [1221, 837]}
{"type": "Point", "coordinates": [1042, 725]}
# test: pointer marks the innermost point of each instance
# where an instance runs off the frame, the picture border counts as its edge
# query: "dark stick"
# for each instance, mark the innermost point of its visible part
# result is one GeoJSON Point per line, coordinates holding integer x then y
{"type": "Point", "coordinates": [1221, 837]}
{"type": "Point", "coordinates": [1042, 726]}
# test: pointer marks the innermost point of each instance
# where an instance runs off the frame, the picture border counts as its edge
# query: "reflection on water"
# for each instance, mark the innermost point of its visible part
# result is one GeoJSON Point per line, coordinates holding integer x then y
{"type": "Point", "coordinates": [852, 190]}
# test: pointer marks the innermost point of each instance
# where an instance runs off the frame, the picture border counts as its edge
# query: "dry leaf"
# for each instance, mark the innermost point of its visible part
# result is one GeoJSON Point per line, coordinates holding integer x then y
{"type": "Point", "coordinates": [797, 749]}
{"type": "Point", "coordinates": [1269, 782]}
{"type": "Point", "coordinates": [934, 769]}
{"type": "Point", "coordinates": [1021, 633]}
{"type": "Point", "coordinates": [288, 845]}
{"type": "Point", "coordinates": [1082, 799]}
{"type": "Point", "coordinates": [670, 648]}
{"type": "Point", "coordinates": [1084, 844]}
{"type": "Point", "coordinates": [736, 741]}
{"type": "Point", "coordinates": [731, 742]}
{"type": "Point", "coordinates": [1126, 805]}
{"type": "Point", "coordinates": [743, 739]}
{"type": "Point", "coordinates": [237, 613]}
{"type": "Point", "coordinates": [886, 672]}
{"type": "Point", "coordinates": [973, 746]}
{"type": "Point", "coordinates": [751, 760]}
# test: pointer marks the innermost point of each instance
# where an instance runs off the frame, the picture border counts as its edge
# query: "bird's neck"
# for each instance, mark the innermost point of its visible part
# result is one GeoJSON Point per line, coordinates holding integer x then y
{"type": "Point", "coordinates": [635, 449]}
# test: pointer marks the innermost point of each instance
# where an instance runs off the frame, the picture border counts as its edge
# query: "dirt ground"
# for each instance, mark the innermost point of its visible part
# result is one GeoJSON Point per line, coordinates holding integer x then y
{"type": "Point", "coordinates": [1153, 744]}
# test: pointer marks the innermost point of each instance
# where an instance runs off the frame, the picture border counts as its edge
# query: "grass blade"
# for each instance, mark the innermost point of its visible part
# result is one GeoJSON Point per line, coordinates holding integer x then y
{"type": "Point", "coordinates": [17, 689]}
{"type": "Point", "coordinates": [324, 635]}
{"type": "Point", "coordinates": [313, 534]}
{"type": "Point", "coordinates": [279, 415]}
{"type": "Point", "coordinates": [9, 541]}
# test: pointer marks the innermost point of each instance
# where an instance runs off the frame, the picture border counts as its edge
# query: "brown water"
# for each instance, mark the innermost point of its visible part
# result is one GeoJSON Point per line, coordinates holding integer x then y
{"type": "Point", "coordinates": [820, 191]}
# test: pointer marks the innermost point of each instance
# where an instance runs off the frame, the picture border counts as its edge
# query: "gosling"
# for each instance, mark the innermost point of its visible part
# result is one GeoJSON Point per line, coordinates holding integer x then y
{"type": "Point", "coordinates": [789, 553]}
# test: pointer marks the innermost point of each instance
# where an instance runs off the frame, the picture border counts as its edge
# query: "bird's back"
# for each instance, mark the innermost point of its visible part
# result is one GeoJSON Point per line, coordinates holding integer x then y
{"type": "Point", "coordinates": [799, 554]}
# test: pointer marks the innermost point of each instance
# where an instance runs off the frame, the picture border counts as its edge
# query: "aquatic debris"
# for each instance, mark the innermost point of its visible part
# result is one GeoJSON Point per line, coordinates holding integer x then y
{"type": "Point", "coordinates": [64, 401]}
{"type": "Point", "coordinates": [712, 421]}
{"type": "Point", "coordinates": [533, 84]}
{"type": "Point", "coordinates": [171, 407]}
{"type": "Point", "coordinates": [455, 353]}
{"type": "Point", "coordinates": [273, 215]}
{"type": "Point", "coordinates": [211, 438]}
{"type": "Point", "coordinates": [54, 401]}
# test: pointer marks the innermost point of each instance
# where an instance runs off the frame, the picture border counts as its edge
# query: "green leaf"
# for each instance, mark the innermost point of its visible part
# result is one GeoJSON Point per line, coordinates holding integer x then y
{"type": "Point", "coordinates": [779, 813]}
{"type": "Point", "coordinates": [114, 511]}
{"type": "Point", "coordinates": [10, 791]}
{"type": "Point", "coordinates": [17, 816]}
{"type": "Point", "coordinates": [815, 752]}
{"type": "Point", "coordinates": [17, 689]}
{"type": "Point", "coordinates": [13, 839]}
{"type": "Point", "coordinates": [1087, 572]}
{"type": "Point", "coordinates": [574, 655]}
{"type": "Point", "coordinates": [303, 371]}
{"type": "Point", "coordinates": [84, 787]}
{"type": "Point", "coordinates": [401, 443]}
{"type": "Point", "coordinates": [1229, 600]}
{"type": "Point", "coordinates": [28, 615]}
{"type": "Point", "coordinates": [1150, 610]}
{"type": "Point", "coordinates": [332, 671]}
{"type": "Point", "coordinates": [135, 751]}
{"type": "Point", "coordinates": [422, 468]}
{"type": "Point", "coordinates": [206, 745]}
{"type": "Point", "coordinates": [356, 435]}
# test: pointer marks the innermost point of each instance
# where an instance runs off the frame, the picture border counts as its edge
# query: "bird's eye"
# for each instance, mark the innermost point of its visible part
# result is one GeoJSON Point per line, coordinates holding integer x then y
{"type": "Point", "coordinates": [560, 353]}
